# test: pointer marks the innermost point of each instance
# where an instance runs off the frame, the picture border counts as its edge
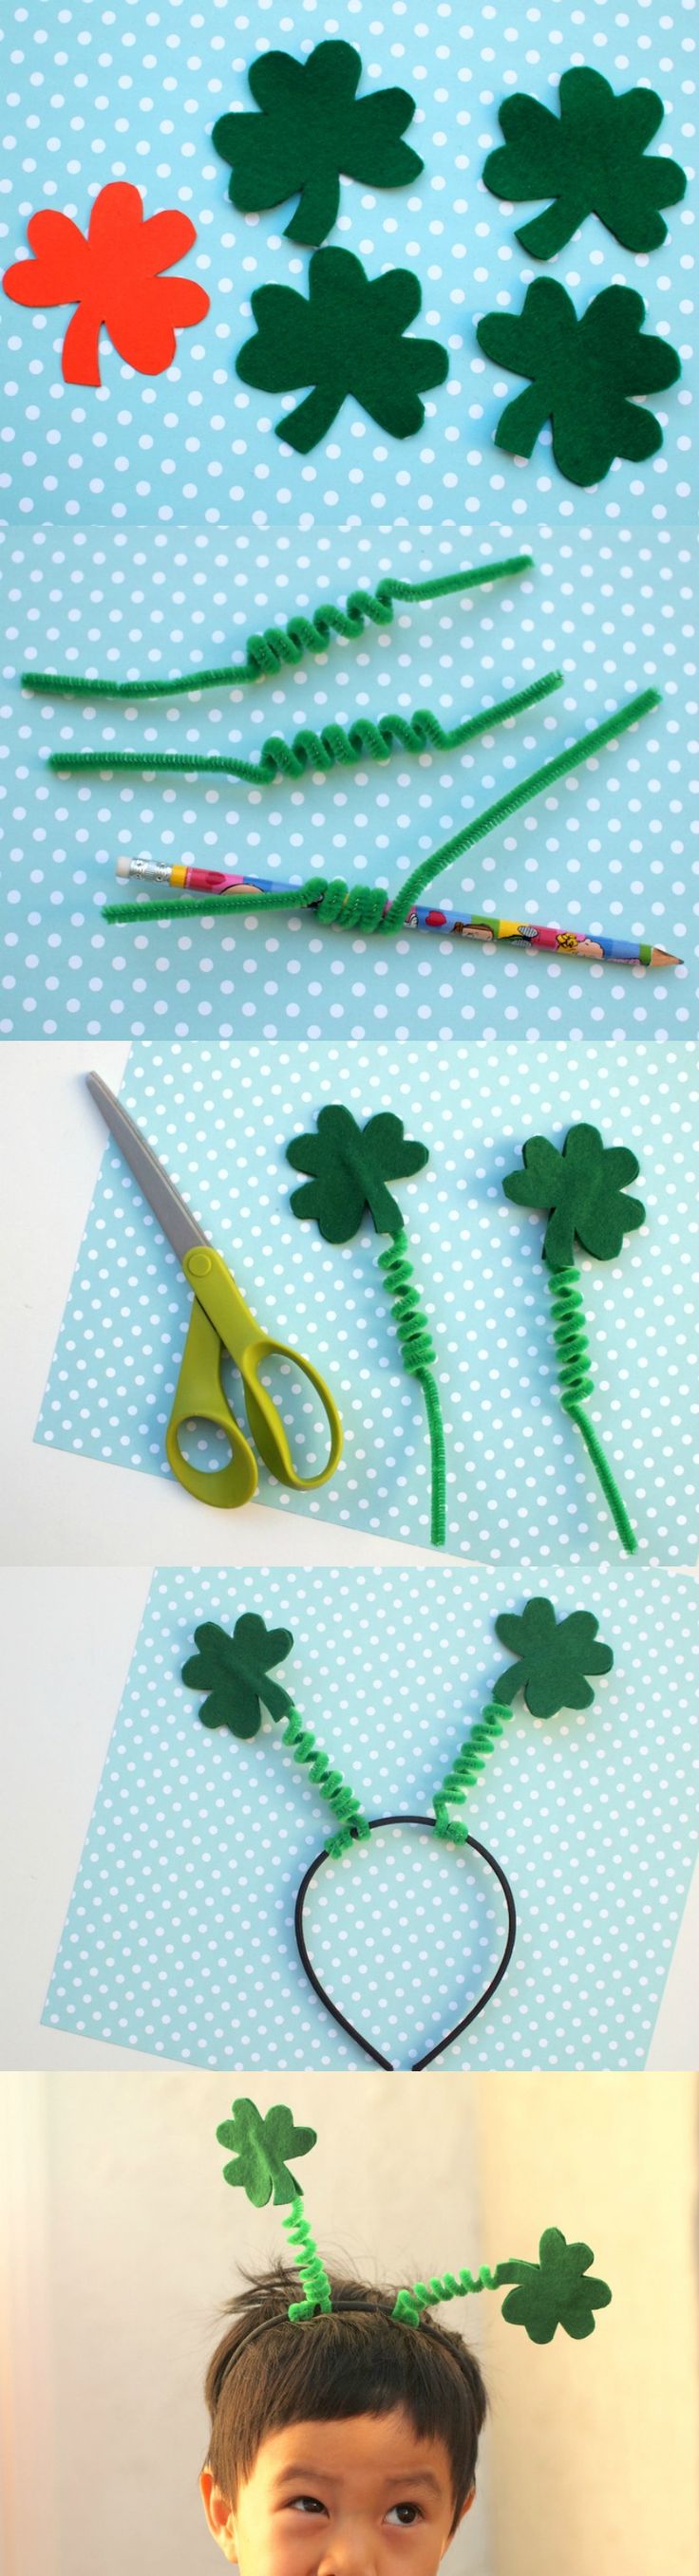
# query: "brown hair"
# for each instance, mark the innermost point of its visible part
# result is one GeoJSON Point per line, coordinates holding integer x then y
{"type": "Point", "coordinates": [335, 2366]}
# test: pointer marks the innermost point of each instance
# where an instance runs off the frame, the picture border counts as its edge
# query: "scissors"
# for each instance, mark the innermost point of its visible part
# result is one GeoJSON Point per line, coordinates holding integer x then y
{"type": "Point", "coordinates": [220, 1322]}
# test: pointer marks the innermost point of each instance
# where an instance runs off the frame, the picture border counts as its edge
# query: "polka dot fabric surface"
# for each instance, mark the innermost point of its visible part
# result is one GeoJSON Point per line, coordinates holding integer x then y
{"type": "Point", "coordinates": [179, 1936]}
{"type": "Point", "coordinates": [608, 849]}
{"type": "Point", "coordinates": [519, 1485]}
{"type": "Point", "coordinates": [132, 92]}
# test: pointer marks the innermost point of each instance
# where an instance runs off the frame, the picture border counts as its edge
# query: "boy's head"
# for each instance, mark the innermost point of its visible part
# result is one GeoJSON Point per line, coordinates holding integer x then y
{"type": "Point", "coordinates": [346, 2443]}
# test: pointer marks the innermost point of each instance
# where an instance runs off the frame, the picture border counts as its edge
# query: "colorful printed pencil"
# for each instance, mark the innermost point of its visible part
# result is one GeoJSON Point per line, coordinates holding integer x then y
{"type": "Point", "coordinates": [595, 946]}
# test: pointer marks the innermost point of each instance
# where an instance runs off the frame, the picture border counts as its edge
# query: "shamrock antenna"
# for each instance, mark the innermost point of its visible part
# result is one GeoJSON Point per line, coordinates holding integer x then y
{"type": "Point", "coordinates": [584, 1191]}
{"type": "Point", "coordinates": [349, 1167]}
{"type": "Point", "coordinates": [553, 1663]}
{"type": "Point", "coordinates": [559, 2290]}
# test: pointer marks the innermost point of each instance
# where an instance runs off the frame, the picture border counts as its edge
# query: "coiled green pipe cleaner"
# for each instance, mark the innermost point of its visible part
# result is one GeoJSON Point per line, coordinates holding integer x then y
{"type": "Point", "coordinates": [283, 647]}
{"type": "Point", "coordinates": [584, 1189]}
{"type": "Point", "coordinates": [349, 1167]}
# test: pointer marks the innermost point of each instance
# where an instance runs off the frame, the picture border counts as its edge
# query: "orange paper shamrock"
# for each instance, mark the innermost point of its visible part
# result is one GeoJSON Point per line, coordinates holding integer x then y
{"type": "Point", "coordinates": [114, 277]}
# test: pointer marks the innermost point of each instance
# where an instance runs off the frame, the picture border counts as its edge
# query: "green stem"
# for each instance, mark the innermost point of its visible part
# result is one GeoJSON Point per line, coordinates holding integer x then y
{"type": "Point", "coordinates": [418, 1353]}
{"type": "Point", "coordinates": [535, 785]}
{"type": "Point", "coordinates": [466, 1768]}
{"type": "Point", "coordinates": [267, 654]}
{"type": "Point", "coordinates": [330, 749]}
{"type": "Point", "coordinates": [576, 1384]}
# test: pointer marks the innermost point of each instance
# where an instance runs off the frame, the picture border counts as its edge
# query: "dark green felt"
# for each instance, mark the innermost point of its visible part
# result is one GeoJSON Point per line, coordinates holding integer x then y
{"type": "Point", "coordinates": [312, 130]}
{"type": "Point", "coordinates": [350, 1166]}
{"type": "Point", "coordinates": [584, 371]}
{"type": "Point", "coordinates": [345, 337]}
{"type": "Point", "coordinates": [584, 1187]}
{"type": "Point", "coordinates": [559, 2290]}
{"type": "Point", "coordinates": [261, 2148]}
{"type": "Point", "coordinates": [554, 1658]}
{"type": "Point", "coordinates": [235, 1672]}
{"type": "Point", "coordinates": [590, 159]}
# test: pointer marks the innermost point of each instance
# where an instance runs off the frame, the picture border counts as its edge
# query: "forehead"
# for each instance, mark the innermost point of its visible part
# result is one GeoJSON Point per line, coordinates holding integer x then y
{"type": "Point", "coordinates": [379, 2446]}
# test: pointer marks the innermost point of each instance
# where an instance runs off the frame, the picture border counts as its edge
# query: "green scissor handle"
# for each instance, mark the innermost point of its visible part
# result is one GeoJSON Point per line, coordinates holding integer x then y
{"type": "Point", "coordinates": [220, 1321]}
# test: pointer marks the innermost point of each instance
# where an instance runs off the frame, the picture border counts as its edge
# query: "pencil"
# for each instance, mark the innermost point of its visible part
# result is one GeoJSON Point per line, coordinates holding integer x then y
{"type": "Point", "coordinates": [594, 946]}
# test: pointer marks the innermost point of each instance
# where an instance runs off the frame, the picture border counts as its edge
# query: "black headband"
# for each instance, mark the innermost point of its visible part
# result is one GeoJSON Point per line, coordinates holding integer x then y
{"type": "Point", "coordinates": [340, 2307]}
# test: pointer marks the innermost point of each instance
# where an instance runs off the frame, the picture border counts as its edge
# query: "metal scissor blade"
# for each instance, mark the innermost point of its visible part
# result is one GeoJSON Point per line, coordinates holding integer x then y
{"type": "Point", "coordinates": [172, 1214]}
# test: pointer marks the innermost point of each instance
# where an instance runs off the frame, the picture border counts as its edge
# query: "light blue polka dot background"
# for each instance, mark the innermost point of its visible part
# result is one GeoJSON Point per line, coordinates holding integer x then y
{"type": "Point", "coordinates": [179, 1935]}
{"type": "Point", "coordinates": [132, 92]}
{"type": "Point", "coordinates": [519, 1485]}
{"type": "Point", "coordinates": [610, 848]}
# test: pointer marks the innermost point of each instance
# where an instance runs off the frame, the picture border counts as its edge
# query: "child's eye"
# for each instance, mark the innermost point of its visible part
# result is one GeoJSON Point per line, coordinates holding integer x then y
{"type": "Point", "coordinates": [404, 2513]}
{"type": "Point", "coordinates": [306, 2504]}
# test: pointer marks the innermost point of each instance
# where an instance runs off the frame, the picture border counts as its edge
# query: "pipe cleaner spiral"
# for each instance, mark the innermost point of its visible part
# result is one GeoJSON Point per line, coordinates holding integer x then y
{"type": "Point", "coordinates": [333, 1787]}
{"type": "Point", "coordinates": [418, 1355]}
{"type": "Point", "coordinates": [465, 1770]}
{"type": "Point", "coordinates": [576, 1384]}
{"type": "Point", "coordinates": [455, 2285]}
{"type": "Point", "coordinates": [390, 915]}
{"type": "Point", "coordinates": [314, 2277]}
{"type": "Point", "coordinates": [285, 646]}
{"type": "Point", "coordinates": [335, 746]}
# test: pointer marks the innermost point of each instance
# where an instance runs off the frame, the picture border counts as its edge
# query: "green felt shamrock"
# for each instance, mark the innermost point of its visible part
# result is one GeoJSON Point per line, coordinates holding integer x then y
{"type": "Point", "coordinates": [312, 129]}
{"type": "Point", "coordinates": [350, 1167]}
{"type": "Point", "coordinates": [347, 337]}
{"type": "Point", "coordinates": [590, 160]}
{"type": "Point", "coordinates": [235, 1672]}
{"type": "Point", "coordinates": [584, 1188]}
{"type": "Point", "coordinates": [559, 2290]}
{"type": "Point", "coordinates": [553, 1658]}
{"type": "Point", "coordinates": [261, 2148]}
{"type": "Point", "coordinates": [584, 371]}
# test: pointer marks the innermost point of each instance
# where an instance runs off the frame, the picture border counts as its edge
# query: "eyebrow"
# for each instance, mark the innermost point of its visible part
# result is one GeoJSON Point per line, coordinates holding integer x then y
{"type": "Point", "coordinates": [395, 2478]}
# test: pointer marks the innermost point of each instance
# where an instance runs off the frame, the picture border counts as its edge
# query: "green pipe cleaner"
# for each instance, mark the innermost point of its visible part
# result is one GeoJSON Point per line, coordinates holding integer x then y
{"type": "Point", "coordinates": [282, 647]}
{"type": "Point", "coordinates": [314, 2278]}
{"type": "Point", "coordinates": [334, 747]}
{"type": "Point", "coordinates": [349, 1168]}
{"type": "Point", "coordinates": [333, 1787]}
{"type": "Point", "coordinates": [367, 908]}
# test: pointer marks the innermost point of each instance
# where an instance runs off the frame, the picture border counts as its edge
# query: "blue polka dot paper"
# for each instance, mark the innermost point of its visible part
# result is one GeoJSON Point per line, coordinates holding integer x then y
{"type": "Point", "coordinates": [95, 94]}
{"type": "Point", "coordinates": [609, 849]}
{"type": "Point", "coordinates": [179, 1935]}
{"type": "Point", "coordinates": [519, 1485]}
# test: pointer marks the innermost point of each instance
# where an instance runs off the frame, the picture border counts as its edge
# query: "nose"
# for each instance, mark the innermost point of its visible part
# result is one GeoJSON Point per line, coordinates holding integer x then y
{"type": "Point", "coordinates": [350, 2552]}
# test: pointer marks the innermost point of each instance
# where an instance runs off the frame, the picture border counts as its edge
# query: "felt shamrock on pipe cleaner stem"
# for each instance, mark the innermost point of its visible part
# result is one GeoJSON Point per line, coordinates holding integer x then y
{"type": "Point", "coordinates": [559, 2290]}
{"type": "Point", "coordinates": [591, 159]}
{"type": "Point", "coordinates": [554, 1660]}
{"type": "Point", "coordinates": [349, 1167]}
{"type": "Point", "coordinates": [584, 1190]}
{"type": "Point", "coordinates": [235, 1674]}
{"type": "Point", "coordinates": [283, 647]}
{"type": "Point", "coordinates": [312, 127]}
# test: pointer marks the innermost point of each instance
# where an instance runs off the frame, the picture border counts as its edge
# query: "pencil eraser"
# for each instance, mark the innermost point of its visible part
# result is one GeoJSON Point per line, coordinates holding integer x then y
{"type": "Point", "coordinates": [122, 867]}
